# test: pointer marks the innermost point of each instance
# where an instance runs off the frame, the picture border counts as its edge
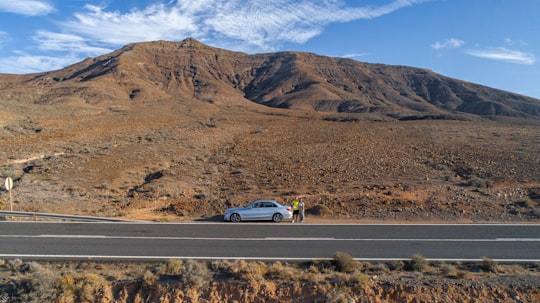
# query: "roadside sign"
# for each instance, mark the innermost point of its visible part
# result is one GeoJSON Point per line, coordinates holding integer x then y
{"type": "Point", "coordinates": [9, 183]}
{"type": "Point", "coordinates": [9, 186]}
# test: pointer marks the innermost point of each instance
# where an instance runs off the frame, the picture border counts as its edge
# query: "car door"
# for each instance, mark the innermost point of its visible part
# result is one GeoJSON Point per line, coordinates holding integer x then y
{"type": "Point", "coordinates": [269, 210]}
{"type": "Point", "coordinates": [254, 212]}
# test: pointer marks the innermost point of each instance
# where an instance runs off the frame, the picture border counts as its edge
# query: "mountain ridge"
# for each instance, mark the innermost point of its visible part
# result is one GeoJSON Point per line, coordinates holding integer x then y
{"type": "Point", "coordinates": [191, 70]}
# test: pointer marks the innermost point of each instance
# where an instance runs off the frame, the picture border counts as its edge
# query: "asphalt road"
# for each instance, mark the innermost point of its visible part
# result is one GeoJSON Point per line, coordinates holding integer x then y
{"type": "Point", "coordinates": [268, 241]}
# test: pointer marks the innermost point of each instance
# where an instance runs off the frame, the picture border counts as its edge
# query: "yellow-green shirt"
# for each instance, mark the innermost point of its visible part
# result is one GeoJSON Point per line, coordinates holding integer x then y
{"type": "Point", "coordinates": [295, 204]}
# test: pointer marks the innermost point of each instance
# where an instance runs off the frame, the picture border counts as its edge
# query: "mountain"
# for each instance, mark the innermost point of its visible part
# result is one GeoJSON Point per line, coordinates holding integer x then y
{"type": "Point", "coordinates": [167, 130]}
{"type": "Point", "coordinates": [189, 70]}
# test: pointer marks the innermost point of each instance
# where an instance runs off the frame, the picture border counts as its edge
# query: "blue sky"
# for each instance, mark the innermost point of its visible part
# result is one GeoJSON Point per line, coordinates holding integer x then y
{"type": "Point", "coordinates": [490, 42]}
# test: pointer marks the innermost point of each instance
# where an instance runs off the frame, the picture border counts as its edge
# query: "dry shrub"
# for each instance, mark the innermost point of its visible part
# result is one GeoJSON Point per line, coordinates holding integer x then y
{"type": "Point", "coordinates": [313, 274]}
{"type": "Point", "coordinates": [66, 288]}
{"type": "Point", "coordinates": [324, 266]}
{"type": "Point", "coordinates": [376, 268]}
{"type": "Point", "coordinates": [527, 202]}
{"type": "Point", "coordinates": [489, 265]}
{"type": "Point", "coordinates": [91, 287]}
{"type": "Point", "coordinates": [339, 296]}
{"type": "Point", "coordinates": [449, 270]}
{"type": "Point", "coordinates": [396, 265]}
{"type": "Point", "coordinates": [196, 273]}
{"type": "Point", "coordinates": [14, 265]}
{"type": "Point", "coordinates": [345, 262]}
{"type": "Point", "coordinates": [280, 271]}
{"type": "Point", "coordinates": [479, 183]}
{"type": "Point", "coordinates": [253, 272]}
{"type": "Point", "coordinates": [319, 210]}
{"type": "Point", "coordinates": [33, 282]}
{"type": "Point", "coordinates": [221, 266]}
{"type": "Point", "coordinates": [462, 274]}
{"type": "Point", "coordinates": [174, 266]}
{"type": "Point", "coordinates": [417, 263]}
{"type": "Point", "coordinates": [149, 278]}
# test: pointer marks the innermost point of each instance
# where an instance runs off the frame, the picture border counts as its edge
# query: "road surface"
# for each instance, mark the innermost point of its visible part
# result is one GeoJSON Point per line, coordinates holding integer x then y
{"type": "Point", "coordinates": [269, 241]}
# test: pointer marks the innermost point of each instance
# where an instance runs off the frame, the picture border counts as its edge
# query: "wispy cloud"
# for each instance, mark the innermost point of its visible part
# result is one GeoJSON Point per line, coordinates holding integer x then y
{"type": "Point", "coordinates": [26, 7]}
{"type": "Point", "coordinates": [504, 54]}
{"type": "Point", "coordinates": [3, 37]}
{"type": "Point", "coordinates": [354, 55]}
{"type": "Point", "coordinates": [158, 21]}
{"type": "Point", "coordinates": [255, 24]}
{"type": "Point", "coordinates": [242, 25]}
{"type": "Point", "coordinates": [23, 63]}
{"type": "Point", "coordinates": [449, 43]}
{"type": "Point", "coordinates": [370, 12]}
{"type": "Point", "coordinates": [49, 41]}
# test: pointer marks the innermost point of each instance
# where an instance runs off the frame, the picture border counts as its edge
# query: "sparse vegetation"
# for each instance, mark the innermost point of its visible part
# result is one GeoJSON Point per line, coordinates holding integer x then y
{"type": "Point", "coordinates": [319, 210]}
{"type": "Point", "coordinates": [339, 280]}
{"type": "Point", "coordinates": [489, 265]}
{"type": "Point", "coordinates": [479, 182]}
{"type": "Point", "coordinates": [417, 263]}
{"type": "Point", "coordinates": [345, 262]}
{"type": "Point", "coordinates": [196, 273]}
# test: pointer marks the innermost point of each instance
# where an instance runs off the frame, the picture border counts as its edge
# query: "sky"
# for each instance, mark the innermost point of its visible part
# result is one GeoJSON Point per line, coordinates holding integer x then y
{"type": "Point", "coordinates": [490, 42]}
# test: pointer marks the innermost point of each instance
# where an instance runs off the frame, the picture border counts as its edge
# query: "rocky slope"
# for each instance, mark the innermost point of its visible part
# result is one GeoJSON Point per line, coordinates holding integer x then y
{"type": "Point", "coordinates": [174, 130]}
{"type": "Point", "coordinates": [146, 72]}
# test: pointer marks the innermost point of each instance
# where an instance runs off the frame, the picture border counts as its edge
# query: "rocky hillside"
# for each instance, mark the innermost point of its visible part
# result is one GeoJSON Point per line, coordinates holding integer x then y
{"type": "Point", "coordinates": [167, 131]}
{"type": "Point", "coordinates": [145, 72]}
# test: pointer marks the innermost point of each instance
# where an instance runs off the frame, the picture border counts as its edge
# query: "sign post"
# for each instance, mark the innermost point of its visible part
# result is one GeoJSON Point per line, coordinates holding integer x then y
{"type": "Point", "coordinates": [9, 186]}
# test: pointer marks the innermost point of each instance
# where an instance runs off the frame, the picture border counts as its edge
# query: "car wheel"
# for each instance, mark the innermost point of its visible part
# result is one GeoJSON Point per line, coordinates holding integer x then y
{"type": "Point", "coordinates": [235, 218]}
{"type": "Point", "coordinates": [277, 218]}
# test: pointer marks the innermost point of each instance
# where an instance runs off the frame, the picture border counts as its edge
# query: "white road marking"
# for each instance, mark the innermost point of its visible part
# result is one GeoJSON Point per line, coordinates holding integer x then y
{"type": "Point", "coordinates": [272, 238]}
{"type": "Point", "coordinates": [117, 257]}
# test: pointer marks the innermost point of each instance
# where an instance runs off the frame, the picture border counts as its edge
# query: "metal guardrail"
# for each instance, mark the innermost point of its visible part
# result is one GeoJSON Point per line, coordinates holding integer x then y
{"type": "Point", "coordinates": [33, 215]}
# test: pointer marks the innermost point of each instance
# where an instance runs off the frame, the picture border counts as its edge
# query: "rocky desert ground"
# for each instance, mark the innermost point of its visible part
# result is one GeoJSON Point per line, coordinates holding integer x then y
{"type": "Point", "coordinates": [175, 162]}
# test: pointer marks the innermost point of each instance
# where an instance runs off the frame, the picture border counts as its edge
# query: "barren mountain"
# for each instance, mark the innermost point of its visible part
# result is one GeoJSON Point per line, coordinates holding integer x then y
{"type": "Point", "coordinates": [191, 70]}
{"type": "Point", "coordinates": [181, 128]}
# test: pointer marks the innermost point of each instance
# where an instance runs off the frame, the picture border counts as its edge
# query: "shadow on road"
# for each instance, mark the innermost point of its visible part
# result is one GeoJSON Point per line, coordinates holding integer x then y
{"type": "Point", "coordinates": [216, 218]}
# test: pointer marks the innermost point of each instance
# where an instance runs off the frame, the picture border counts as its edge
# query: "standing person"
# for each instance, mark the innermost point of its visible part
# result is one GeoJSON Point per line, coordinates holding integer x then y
{"type": "Point", "coordinates": [301, 207]}
{"type": "Point", "coordinates": [296, 209]}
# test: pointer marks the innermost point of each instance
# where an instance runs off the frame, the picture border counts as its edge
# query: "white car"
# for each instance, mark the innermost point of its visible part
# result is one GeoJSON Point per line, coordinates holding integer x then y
{"type": "Point", "coordinates": [259, 210]}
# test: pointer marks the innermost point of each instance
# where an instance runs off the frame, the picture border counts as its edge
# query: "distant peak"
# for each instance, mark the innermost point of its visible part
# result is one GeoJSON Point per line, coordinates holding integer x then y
{"type": "Point", "coordinates": [191, 42]}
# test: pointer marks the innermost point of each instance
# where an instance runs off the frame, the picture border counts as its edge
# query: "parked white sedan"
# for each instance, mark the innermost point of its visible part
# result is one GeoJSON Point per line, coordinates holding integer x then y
{"type": "Point", "coordinates": [259, 210]}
